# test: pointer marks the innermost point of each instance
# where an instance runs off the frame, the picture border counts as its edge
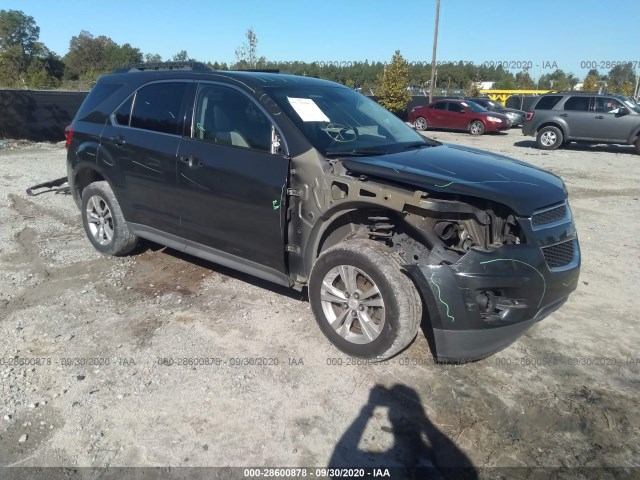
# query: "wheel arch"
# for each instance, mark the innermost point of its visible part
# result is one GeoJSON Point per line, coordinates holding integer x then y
{"type": "Point", "coordinates": [563, 128]}
{"type": "Point", "coordinates": [356, 220]}
{"type": "Point", "coordinates": [83, 175]}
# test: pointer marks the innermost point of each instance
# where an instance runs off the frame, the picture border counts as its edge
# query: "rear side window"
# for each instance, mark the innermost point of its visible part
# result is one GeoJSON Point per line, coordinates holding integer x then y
{"type": "Point", "coordinates": [157, 107]}
{"type": "Point", "coordinates": [440, 106]}
{"type": "Point", "coordinates": [123, 114]}
{"type": "Point", "coordinates": [98, 94]}
{"type": "Point", "coordinates": [578, 103]}
{"type": "Point", "coordinates": [547, 103]}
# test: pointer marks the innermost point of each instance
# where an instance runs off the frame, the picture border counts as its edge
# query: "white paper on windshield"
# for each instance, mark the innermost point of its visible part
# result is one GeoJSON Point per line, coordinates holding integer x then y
{"type": "Point", "coordinates": [308, 110]}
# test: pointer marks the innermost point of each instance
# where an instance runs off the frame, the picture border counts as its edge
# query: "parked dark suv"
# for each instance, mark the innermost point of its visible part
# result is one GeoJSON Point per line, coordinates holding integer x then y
{"type": "Point", "coordinates": [557, 119]}
{"type": "Point", "coordinates": [307, 183]}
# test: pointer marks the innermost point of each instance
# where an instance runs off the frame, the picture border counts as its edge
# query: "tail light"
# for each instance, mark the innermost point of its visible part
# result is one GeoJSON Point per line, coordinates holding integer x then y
{"type": "Point", "coordinates": [529, 116]}
{"type": "Point", "coordinates": [68, 133]}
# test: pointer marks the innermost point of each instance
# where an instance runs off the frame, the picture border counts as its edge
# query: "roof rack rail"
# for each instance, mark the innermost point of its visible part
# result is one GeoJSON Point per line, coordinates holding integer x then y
{"type": "Point", "coordinates": [260, 70]}
{"type": "Point", "coordinates": [163, 66]}
{"type": "Point", "coordinates": [570, 91]}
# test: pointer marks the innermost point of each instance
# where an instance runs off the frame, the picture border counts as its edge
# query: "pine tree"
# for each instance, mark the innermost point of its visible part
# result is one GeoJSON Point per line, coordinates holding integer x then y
{"type": "Point", "coordinates": [392, 85]}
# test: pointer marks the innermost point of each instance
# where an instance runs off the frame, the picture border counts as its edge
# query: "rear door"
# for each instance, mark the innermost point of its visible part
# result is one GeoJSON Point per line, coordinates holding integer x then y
{"type": "Point", "coordinates": [232, 188]}
{"type": "Point", "coordinates": [576, 111]}
{"type": "Point", "coordinates": [457, 116]}
{"type": "Point", "coordinates": [140, 144]}
{"type": "Point", "coordinates": [437, 114]}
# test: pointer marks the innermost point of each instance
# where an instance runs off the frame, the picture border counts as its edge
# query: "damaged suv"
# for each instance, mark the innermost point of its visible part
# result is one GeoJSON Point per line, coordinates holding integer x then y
{"type": "Point", "coordinates": [307, 183]}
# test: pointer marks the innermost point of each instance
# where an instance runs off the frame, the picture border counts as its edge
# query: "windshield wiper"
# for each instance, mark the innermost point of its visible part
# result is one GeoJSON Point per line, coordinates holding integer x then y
{"type": "Point", "coordinates": [355, 153]}
{"type": "Point", "coordinates": [416, 145]}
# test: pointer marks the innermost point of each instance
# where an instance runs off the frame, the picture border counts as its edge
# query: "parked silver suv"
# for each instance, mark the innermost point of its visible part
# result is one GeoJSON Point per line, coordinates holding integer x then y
{"type": "Point", "coordinates": [557, 119]}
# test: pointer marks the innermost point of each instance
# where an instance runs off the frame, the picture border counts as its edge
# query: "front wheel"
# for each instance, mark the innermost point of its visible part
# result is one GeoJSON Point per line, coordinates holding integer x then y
{"type": "Point", "coordinates": [637, 144]}
{"type": "Point", "coordinates": [549, 138]}
{"type": "Point", "coordinates": [476, 127]}
{"type": "Point", "coordinates": [421, 124]}
{"type": "Point", "coordinates": [104, 222]}
{"type": "Point", "coordinates": [362, 300]}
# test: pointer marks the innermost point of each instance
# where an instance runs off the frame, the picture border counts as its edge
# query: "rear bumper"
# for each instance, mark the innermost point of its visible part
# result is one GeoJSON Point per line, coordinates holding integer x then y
{"type": "Point", "coordinates": [486, 300]}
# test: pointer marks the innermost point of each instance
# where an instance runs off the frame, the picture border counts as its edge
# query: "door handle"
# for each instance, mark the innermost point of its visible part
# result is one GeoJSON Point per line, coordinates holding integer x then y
{"type": "Point", "coordinates": [191, 161]}
{"type": "Point", "coordinates": [599, 117]}
{"type": "Point", "coordinates": [564, 115]}
{"type": "Point", "coordinates": [118, 140]}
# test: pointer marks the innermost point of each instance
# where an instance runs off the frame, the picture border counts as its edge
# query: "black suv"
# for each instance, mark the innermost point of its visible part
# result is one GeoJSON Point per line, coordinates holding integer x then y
{"type": "Point", "coordinates": [557, 119]}
{"type": "Point", "coordinates": [307, 183]}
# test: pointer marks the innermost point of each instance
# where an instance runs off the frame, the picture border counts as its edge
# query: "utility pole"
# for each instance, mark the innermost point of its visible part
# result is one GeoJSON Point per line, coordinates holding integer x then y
{"type": "Point", "coordinates": [433, 54]}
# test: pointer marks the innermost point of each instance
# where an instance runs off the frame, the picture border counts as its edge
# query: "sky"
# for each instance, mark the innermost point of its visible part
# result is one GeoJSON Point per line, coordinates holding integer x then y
{"type": "Point", "coordinates": [573, 35]}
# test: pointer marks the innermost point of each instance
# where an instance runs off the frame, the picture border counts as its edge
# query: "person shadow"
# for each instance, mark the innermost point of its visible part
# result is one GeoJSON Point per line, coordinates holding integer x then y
{"type": "Point", "coordinates": [420, 450]}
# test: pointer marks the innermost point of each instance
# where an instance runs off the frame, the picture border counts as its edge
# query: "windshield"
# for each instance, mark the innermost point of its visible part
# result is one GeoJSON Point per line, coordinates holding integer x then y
{"type": "Point", "coordinates": [474, 107]}
{"type": "Point", "coordinates": [631, 104]}
{"type": "Point", "coordinates": [496, 105]}
{"type": "Point", "coordinates": [339, 121]}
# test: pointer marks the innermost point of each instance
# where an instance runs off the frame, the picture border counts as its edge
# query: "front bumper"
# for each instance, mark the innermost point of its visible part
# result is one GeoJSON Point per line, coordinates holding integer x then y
{"type": "Point", "coordinates": [486, 300]}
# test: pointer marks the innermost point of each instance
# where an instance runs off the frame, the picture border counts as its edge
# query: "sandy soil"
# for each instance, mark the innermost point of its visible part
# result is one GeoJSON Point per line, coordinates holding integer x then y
{"type": "Point", "coordinates": [83, 338]}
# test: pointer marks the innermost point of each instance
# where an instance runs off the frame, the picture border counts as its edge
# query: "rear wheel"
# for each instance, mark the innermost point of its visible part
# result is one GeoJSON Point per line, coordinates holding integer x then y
{"type": "Point", "coordinates": [476, 127]}
{"type": "Point", "coordinates": [549, 138]}
{"type": "Point", "coordinates": [363, 302]}
{"type": "Point", "coordinates": [637, 144]}
{"type": "Point", "coordinates": [104, 222]}
{"type": "Point", "coordinates": [421, 124]}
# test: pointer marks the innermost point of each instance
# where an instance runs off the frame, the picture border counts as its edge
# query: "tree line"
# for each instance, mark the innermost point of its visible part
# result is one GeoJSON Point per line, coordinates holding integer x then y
{"type": "Point", "coordinates": [25, 62]}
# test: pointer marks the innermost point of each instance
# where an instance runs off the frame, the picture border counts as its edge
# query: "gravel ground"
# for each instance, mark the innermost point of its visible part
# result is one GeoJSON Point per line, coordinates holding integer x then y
{"type": "Point", "coordinates": [84, 343]}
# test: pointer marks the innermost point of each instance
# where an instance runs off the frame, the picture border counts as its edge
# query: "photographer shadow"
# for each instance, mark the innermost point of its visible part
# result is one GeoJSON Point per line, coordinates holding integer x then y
{"type": "Point", "coordinates": [420, 449]}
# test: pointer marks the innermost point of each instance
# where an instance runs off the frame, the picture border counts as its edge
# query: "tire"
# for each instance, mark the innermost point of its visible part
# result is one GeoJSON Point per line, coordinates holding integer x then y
{"type": "Point", "coordinates": [394, 312]}
{"type": "Point", "coordinates": [421, 124]}
{"type": "Point", "coordinates": [103, 221]}
{"type": "Point", "coordinates": [549, 138]}
{"type": "Point", "coordinates": [476, 127]}
{"type": "Point", "coordinates": [637, 144]}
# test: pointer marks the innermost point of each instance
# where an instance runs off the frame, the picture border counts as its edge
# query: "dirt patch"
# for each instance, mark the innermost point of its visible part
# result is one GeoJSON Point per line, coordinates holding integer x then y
{"type": "Point", "coordinates": [147, 359]}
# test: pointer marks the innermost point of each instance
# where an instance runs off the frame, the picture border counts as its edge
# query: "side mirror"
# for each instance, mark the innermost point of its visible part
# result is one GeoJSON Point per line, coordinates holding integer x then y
{"type": "Point", "coordinates": [622, 111]}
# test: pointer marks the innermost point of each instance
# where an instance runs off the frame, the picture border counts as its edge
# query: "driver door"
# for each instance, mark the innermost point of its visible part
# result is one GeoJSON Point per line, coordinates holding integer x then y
{"type": "Point", "coordinates": [232, 187]}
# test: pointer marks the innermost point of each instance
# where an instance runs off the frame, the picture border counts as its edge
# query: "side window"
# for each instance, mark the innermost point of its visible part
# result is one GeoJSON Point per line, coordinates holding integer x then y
{"type": "Point", "coordinates": [157, 107]}
{"type": "Point", "coordinates": [228, 117]}
{"type": "Point", "coordinates": [607, 105]}
{"type": "Point", "coordinates": [454, 107]}
{"type": "Point", "coordinates": [548, 102]}
{"type": "Point", "coordinates": [578, 103]}
{"type": "Point", "coordinates": [440, 106]}
{"type": "Point", "coordinates": [98, 94]}
{"type": "Point", "coordinates": [122, 115]}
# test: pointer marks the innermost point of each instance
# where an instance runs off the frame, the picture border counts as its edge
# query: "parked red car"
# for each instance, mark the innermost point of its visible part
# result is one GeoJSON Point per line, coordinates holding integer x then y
{"type": "Point", "coordinates": [458, 115]}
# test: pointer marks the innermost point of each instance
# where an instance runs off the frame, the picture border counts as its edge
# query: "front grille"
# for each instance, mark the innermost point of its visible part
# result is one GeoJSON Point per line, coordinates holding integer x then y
{"type": "Point", "coordinates": [559, 255]}
{"type": "Point", "coordinates": [551, 215]}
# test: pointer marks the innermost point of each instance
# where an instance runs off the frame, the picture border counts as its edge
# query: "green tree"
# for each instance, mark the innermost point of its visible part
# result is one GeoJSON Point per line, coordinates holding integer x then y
{"type": "Point", "coordinates": [152, 58]}
{"type": "Point", "coordinates": [18, 30]}
{"type": "Point", "coordinates": [506, 83]}
{"type": "Point", "coordinates": [89, 57]}
{"type": "Point", "coordinates": [558, 80]}
{"type": "Point", "coordinates": [523, 81]}
{"type": "Point", "coordinates": [181, 56]}
{"type": "Point", "coordinates": [621, 79]}
{"type": "Point", "coordinates": [392, 86]}
{"type": "Point", "coordinates": [591, 82]}
{"type": "Point", "coordinates": [24, 61]}
{"type": "Point", "coordinates": [246, 54]}
{"type": "Point", "coordinates": [472, 88]}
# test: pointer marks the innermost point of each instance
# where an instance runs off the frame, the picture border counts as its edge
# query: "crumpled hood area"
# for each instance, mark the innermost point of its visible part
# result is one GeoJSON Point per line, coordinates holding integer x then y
{"type": "Point", "coordinates": [467, 171]}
